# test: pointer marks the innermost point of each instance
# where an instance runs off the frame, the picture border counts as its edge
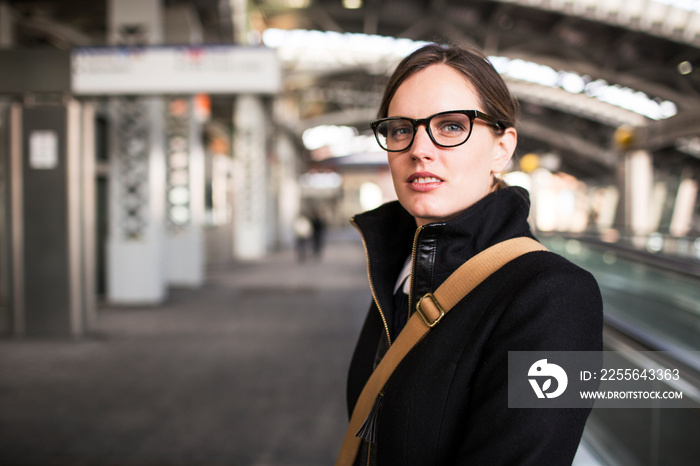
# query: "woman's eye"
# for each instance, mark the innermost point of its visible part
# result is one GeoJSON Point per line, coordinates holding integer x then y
{"type": "Point", "coordinates": [401, 131]}
{"type": "Point", "coordinates": [451, 127]}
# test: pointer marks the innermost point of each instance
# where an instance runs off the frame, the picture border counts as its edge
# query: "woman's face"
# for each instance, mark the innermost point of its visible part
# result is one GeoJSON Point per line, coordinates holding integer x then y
{"type": "Point", "coordinates": [435, 183]}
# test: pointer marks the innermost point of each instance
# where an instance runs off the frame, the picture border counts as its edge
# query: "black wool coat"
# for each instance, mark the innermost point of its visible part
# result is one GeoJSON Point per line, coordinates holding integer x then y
{"type": "Point", "coordinates": [446, 403]}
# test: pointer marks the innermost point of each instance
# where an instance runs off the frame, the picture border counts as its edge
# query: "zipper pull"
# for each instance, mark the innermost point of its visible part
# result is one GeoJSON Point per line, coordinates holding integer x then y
{"type": "Point", "coordinates": [368, 431]}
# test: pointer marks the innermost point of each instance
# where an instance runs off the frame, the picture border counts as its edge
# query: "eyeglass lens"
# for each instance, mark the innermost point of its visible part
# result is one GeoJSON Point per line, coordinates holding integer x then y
{"type": "Point", "coordinates": [447, 129]}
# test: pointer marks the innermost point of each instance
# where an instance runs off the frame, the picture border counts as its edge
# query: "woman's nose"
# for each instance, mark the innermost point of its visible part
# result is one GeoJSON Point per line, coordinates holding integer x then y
{"type": "Point", "coordinates": [422, 146]}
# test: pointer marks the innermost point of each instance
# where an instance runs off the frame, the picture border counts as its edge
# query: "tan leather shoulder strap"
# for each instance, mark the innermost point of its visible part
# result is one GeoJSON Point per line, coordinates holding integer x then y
{"type": "Point", "coordinates": [430, 310]}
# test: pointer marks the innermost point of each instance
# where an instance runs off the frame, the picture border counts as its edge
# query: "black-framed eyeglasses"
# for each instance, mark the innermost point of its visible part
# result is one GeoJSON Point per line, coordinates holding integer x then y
{"type": "Point", "coordinates": [446, 129]}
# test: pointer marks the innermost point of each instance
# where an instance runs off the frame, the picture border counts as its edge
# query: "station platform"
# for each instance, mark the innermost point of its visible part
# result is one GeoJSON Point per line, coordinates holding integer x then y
{"type": "Point", "coordinates": [248, 370]}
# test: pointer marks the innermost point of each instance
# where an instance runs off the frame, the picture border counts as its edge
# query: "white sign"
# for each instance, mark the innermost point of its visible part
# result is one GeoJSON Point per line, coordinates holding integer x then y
{"type": "Point", "coordinates": [43, 149]}
{"type": "Point", "coordinates": [211, 69]}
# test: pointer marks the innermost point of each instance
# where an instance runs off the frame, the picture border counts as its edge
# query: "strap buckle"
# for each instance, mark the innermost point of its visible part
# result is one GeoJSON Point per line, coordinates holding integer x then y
{"type": "Point", "coordinates": [424, 316]}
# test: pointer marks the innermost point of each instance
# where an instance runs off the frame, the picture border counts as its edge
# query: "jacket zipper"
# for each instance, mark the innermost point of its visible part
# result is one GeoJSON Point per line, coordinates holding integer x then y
{"type": "Point", "coordinates": [413, 262]}
{"type": "Point", "coordinates": [374, 293]}
{"type": "Point", "coordinates": [371, 283]}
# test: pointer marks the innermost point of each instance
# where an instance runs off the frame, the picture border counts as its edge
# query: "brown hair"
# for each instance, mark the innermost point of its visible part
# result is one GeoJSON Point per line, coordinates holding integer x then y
{"type": "Point", "coordinates": [493, 94]}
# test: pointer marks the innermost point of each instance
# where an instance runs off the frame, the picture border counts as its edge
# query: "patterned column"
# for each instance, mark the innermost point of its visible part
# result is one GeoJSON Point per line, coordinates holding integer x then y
{"type": "Point", "coordinates": [136, 260]}
{"type": "Point", "coordinates": [135, 251]}
{"type": "Point", "coordinates": [130, 163]}
{"type": "Point", "coordinates": [184, 194]}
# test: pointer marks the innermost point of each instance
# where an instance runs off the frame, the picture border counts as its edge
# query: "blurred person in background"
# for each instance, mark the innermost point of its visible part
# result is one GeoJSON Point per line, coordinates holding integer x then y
{"type": "Point", "coordinates": [302, 232]}
{"type": "Point", "coordinates": [318, 225]}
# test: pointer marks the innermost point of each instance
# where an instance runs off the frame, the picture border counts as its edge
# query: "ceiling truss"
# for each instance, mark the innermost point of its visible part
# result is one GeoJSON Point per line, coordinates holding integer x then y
{"type": "Point", "coordinates": [639, 48]}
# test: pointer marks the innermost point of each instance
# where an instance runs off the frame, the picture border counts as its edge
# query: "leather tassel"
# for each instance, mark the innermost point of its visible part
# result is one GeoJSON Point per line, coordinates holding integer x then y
{"type": "Point", "coordinates": [368, 431]}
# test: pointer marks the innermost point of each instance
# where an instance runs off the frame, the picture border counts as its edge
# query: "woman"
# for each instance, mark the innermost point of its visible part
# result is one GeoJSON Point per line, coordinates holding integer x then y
{"type": "Point", "coordinates": [447, 122]}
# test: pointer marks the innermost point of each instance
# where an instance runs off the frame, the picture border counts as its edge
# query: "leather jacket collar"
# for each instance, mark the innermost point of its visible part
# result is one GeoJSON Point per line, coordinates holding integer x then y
{"type": "Point", "coordinates": [437, 249]}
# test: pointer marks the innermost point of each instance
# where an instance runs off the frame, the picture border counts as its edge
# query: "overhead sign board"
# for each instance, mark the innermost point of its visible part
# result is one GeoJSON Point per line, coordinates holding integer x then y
{"type": "Point", "coordinates": [153, 70]}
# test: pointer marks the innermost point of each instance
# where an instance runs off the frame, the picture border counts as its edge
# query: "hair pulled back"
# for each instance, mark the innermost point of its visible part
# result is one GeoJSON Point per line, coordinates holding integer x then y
{"type": "Point", "coordinates": [494, 96]}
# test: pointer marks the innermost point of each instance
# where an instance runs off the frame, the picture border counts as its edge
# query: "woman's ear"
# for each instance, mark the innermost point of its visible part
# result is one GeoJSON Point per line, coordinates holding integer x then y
{"type": "Point", "coordinates": [503, 150]}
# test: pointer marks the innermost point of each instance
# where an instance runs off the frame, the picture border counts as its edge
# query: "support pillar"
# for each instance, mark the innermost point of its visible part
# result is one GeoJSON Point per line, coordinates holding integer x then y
{"type": "Point", "coordinates": [136, 246]}
{"type": "Point", "coordinates": [289, 192]}
{"type": "Point", "coordinates": [684, 207]}
{"type": "Point", "coordinates": [185, 252]}
{"type": "Point", "coordinates": [639, 186]}
{"type": "Point", "coordinates": [51, 226]}
{"type": "Point", "coordinates": [7, 27]}
{"type": "Point", "coordinates": [6, 320]}
{"type": "Point", "coordinates": [185, 166]}
{"type": "Point", "coordinates": [249, 178]}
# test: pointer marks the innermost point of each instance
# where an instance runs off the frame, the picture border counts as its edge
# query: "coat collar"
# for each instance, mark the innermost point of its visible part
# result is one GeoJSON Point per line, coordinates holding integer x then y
{"type": "Point", "coordinates": [390, 236]}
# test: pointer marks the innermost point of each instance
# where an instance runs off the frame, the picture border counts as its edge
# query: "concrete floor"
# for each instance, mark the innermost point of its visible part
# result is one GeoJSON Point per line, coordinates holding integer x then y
{"type": "Point", "coordinates": [248, 370]}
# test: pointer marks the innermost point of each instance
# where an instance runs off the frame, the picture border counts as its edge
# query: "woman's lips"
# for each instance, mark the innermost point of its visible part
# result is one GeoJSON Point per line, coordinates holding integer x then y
{"type": "Point", "coordinates": [424, 182]}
